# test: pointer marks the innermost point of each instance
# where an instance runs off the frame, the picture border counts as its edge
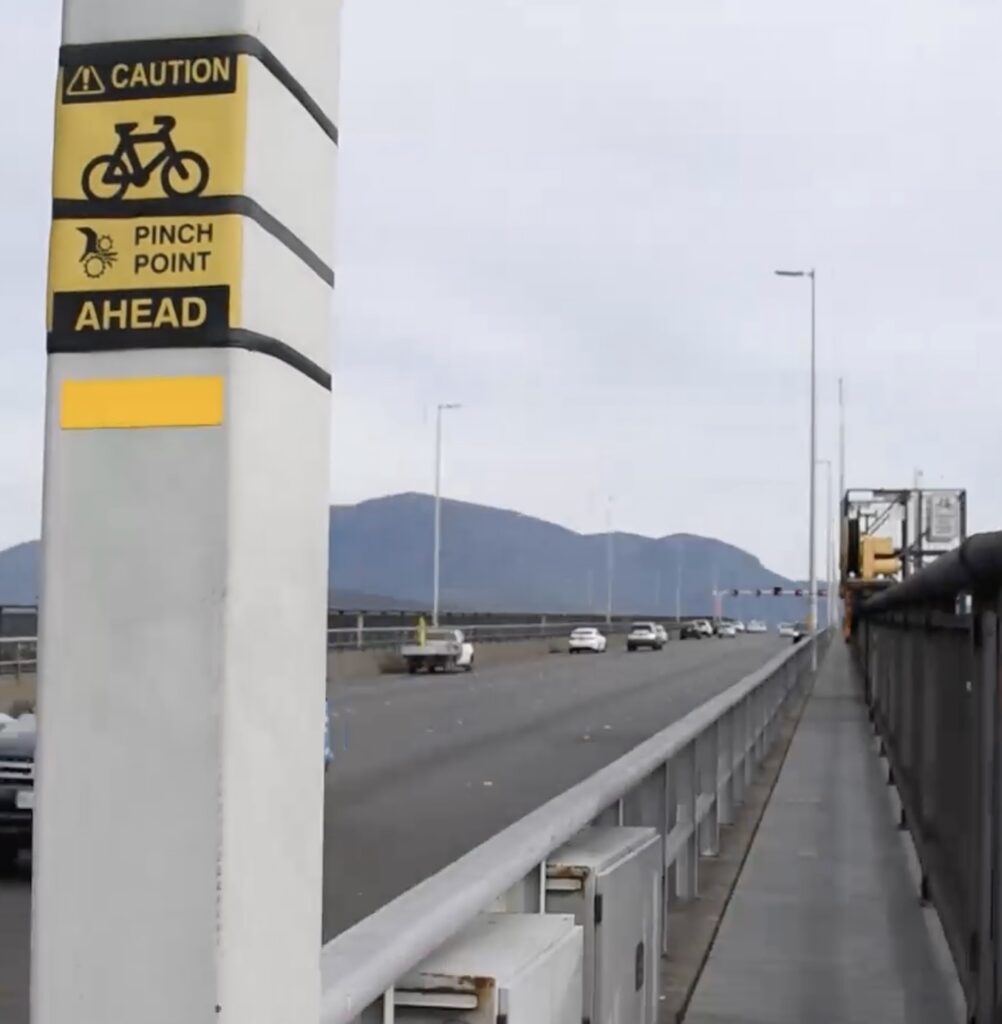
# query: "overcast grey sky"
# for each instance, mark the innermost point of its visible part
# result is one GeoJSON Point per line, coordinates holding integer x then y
{"type": "Point", "coordinates": [566, 215]}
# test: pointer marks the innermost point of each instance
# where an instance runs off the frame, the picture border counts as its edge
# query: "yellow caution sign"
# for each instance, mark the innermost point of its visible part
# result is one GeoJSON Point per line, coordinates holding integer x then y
{"type": "Point", "coordinates": [94, 262]}
{"type": "Point", "coordinates": [147, 127]}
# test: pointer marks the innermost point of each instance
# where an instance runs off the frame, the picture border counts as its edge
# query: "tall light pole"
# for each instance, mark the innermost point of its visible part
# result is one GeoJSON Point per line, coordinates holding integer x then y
{"type": "Point", "coordinates": [829, 558]}
{"type": "Point", "coordinates": [610, 561]}
{"type": "Point", "coordinates": [678, 581]}
{"type": "Point", "coordinates": [442, 407]}
{"type": "Point", "coordinates": [812, 618]}
{"type": "Point", "coordinates": [841, 472]}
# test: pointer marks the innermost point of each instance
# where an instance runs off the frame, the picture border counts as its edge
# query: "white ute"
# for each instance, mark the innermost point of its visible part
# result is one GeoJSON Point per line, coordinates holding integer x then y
{"type": "Point", "coordinates": [444, 649]}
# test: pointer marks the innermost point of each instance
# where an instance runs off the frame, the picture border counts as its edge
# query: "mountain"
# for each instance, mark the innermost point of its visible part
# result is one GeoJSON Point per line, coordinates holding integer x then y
{"type": "Point", "coordinates": [19, 574]}
{"type": "Point", "coordinates": [497, 560]}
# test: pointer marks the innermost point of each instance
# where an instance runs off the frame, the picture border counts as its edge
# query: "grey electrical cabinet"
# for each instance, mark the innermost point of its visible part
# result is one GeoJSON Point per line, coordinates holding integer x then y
{"type": "Point", "coordinates": [609, 878]}
{"type": "Point", "coordinates": [501, 969]}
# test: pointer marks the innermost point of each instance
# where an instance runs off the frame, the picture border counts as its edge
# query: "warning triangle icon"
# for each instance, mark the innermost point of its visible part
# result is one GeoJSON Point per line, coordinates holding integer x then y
{"type": "Point", "coordinates": [85, 81]}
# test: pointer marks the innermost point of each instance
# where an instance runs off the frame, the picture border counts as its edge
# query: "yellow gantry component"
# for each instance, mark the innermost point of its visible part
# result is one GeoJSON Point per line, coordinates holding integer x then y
{"type": "Point", "coordinates": [877, 558]}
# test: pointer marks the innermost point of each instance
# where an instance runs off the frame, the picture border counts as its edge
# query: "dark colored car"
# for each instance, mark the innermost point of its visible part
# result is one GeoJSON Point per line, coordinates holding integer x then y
{"type": "Point", "coordinates": [17, 790]}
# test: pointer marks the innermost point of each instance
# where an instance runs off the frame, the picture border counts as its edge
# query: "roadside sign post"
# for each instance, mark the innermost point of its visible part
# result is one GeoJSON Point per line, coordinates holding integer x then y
{"type": "Point", "coordinates": [178, 832]}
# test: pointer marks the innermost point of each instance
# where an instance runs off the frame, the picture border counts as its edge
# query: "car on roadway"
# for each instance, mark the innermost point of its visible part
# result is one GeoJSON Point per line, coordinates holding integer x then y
{"type": "Point", "coordinates": [438, 650]}
{"type": "Point", "coordinates": [17, 788]}
{"type": "Point", "coordinates": [787, 629]}
{"type": "Point", "coordinates": [726, 630]}
{"type": "Point", "coordinates": [757, 626]}
{"type": "Point", "coordinates": [662, 632]}
{"type": "Point", "coordinates": [644, 634]}
{"type": "Point", "coordinates": [587, 640]}
{"type": "Point", "coordinates": [800, 631]}
{"type": "Point", "coordinates": [704, 626]}
{"type": "Point", "coordinates": [739, 626]}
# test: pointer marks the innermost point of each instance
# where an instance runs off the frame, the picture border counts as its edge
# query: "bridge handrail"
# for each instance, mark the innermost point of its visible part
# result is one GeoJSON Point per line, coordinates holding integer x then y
{"type": "Point", "coordinates": [362, 964]}
{"type": "Point", "coordinates": [930, 666]}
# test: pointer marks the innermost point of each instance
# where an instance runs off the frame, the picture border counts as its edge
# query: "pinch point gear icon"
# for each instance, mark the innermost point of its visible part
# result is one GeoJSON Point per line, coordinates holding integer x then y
{"type": "Point", "coordinates": [99, 252]}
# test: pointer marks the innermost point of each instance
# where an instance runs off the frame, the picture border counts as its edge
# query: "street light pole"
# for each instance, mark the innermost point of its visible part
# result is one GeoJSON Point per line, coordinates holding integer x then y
{"type": "Point", "coordinates": [437, 557]}
{"type": "Point", "coordinates": [610, 561]}
{"type": "Point", "coordinates": [812, 622]}
{"type": "Point", "coordinates": [841, 473]}
{"type": "Point", "coordinates": [829, 559]}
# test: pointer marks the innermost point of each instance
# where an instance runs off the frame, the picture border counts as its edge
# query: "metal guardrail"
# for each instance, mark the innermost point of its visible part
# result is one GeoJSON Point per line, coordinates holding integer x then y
{"type": "Point", "coordinates": [18, 656]}
{"type": "Point", "coordinates": [686, 781]}
{"type": "Point", "coordinates": [931, 657]}
{"type": "Point", "coordinates": [364, 637]}
{"type": "Point", "coordinates": [376, 631]}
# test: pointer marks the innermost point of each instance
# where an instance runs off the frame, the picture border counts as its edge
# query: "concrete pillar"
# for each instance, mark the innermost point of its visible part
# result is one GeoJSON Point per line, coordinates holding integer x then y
{"type": "Point", "coordinates": [178, 844]}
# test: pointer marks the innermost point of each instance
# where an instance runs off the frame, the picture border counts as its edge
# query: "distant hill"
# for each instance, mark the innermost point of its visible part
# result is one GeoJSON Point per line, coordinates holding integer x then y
{"type": "Point", "coordinates": [498, 560]}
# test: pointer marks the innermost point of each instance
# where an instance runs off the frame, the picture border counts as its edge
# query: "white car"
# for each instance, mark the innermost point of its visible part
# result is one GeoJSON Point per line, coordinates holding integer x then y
{"type": "Point", "coordinates": [755, 626]}
{"type": "Point", "coordinates": [788, 629]}
{"type": "Point", "coordinates": [585, 639]}
{"type": "Point", "coordinates": [739, 626]}
{"type": "Point", "coordinates": [704, 627]}
{"type": "Point", "coordinates": [727, 630]}
{"type": "Point", "coordinates": [662, 632]}
{"type": "Point", "coordinates": [644, 634]}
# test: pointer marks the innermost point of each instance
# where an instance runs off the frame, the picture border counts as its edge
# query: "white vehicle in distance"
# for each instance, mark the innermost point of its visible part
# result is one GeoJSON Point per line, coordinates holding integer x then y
{"type": "Point", "coordinates": [442, 650]}
{"type": "Point", "coordinates": [788, 629]}
{"type": "Point", "coordinates": [644, 634]}
{"type": "Point", "coordinates": [586, 639]}
{"type": "Point", "coordinates": [662, 632]}
{"type": "Point", "coordinates": [726, 630]}
{"type": "Point", "coordinates": [755, 626]}
{"type": "Point", "coordinates": [739, 626]}
{"type": "Point", "coordinates": [704, 627]}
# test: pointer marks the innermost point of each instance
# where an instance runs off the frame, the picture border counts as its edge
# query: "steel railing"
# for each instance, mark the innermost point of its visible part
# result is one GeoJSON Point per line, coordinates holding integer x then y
{"type": "Point", "coordinates": [364, 637]}
{"type": "Point", "coordinates": [929, 649]}
{"type": "Point", "coordinates": [18, 656]}
{"type": "Point", "coordinates": [685, 781]}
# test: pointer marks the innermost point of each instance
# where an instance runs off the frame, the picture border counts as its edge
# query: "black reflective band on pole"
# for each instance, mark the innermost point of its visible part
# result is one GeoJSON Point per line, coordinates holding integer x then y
{"type": "Point", "coordinates": [232, 337]}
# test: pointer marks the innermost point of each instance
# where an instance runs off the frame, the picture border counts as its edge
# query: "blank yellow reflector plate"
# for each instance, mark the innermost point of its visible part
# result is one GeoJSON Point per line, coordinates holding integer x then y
{"type": "Point", "coordinates": [141, 402]}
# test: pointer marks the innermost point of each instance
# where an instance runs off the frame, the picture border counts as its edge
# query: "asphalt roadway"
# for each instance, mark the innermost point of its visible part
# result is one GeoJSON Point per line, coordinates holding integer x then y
{"type": "Point", "coordinates": [427, 767]}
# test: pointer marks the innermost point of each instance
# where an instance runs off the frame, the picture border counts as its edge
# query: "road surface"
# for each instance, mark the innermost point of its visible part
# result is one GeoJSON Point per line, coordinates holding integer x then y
{"type": "Point", "coordinates": [427, 767]}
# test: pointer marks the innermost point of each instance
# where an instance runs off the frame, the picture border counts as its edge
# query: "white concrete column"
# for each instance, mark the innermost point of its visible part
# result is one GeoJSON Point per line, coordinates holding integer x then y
{"type": "Point", "coordinates": [178, 843]}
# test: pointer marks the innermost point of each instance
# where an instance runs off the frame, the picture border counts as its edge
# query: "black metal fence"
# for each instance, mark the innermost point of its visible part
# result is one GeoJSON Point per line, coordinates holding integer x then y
{"type": "Point", "coordinates": [930, 653]}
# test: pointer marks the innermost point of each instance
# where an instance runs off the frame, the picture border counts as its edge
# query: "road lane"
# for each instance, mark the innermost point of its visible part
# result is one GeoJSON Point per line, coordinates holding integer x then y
{"type": "Point", "coordinates": [427, 767]}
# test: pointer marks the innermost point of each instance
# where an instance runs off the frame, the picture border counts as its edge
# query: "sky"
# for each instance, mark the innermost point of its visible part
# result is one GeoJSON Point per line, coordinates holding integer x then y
{"type": "Point", "coordinates": [565, 215]}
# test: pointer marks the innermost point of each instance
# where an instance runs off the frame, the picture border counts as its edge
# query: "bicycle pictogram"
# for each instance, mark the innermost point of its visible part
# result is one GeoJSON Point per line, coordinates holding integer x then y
{"type": "Point", "coordinates": [183, 172]}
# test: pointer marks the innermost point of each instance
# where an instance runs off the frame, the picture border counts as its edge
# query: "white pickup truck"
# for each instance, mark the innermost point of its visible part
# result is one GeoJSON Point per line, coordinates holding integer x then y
{"type": "Point", "coordinates": [443, 649]}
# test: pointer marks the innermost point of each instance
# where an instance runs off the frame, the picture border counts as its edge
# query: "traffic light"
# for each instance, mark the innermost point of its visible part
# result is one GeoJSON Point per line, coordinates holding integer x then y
{"type": "Point", "coordinates": [758, 593]}
{"type": "Point", "coordinates": [799, 592]}
{"type": "Point", "coordinates": [877, 558]}
{"type": "Point", "coordinates": [777, 591]}
{"type": "Point", "coordinates": [735, 593]}
{"type": "Point", "coordinates": [822, 592]}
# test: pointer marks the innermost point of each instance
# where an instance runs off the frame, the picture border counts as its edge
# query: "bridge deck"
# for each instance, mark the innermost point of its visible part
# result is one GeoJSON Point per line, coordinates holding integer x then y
{"type": "Point", "coordinates": [825, 924]}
